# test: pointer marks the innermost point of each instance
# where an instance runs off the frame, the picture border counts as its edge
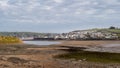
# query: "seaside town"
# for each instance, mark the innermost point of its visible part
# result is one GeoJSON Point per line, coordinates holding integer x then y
{"type": "Point", "coordinates": [103, 52]}
{"type": "Point", "coordinates": [59, 33]}
{"type": "Point", "coordinates": [76, 35]}
{"type": "Point", "coordinates": [111, 33]}
{"type": "Point", "coordinates": [86, 35]}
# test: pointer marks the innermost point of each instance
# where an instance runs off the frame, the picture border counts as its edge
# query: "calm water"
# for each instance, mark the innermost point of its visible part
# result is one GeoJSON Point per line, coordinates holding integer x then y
{"type": "Point", "coordinates": [111, 45]}
{"type": "Point", "coordinates": [42, 42]}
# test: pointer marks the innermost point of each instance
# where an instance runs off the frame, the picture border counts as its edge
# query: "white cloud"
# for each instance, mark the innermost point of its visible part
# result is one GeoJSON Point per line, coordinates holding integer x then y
{"type": "Point", "coordinates": [85, 3]}
{"type": "Point", "coordinates": [91, 11]}
{"type": "Point", "coordinates": [95, 3]}
{"type": "Point", "coordinates": [4, 4]}
{"type": "Point", "coordinates": [47, 7]}
{"type": "Point", "coordinates": [103, 16]}
{"type": "Point", "coordinates": [85, 11]}
{"type": "Point", "coordinates": [57, 10]}
{"type": "Point", "coordinates": [112, 2]}
{"type": "Point", "coordinates": [110, 11]}
{"type": "Point", "coordinates": [58, 1]}
{"type": "Point", "coordinates": [35, 21]}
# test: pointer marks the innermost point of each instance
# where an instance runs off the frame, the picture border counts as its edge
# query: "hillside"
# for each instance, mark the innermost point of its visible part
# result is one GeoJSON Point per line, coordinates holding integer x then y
{"type": "Point", "coordinates": [26, 34]}
{"type": "Point", "coordinates": [116, 31]}
{"type": "Point", "coordinates": [9, 40]}
{"type": "Point", "coordinates": [96, 33]}
{"type": "Point", "coordinates": [90, 34]}
{"type": "Point", "coordinates": [20, 34]}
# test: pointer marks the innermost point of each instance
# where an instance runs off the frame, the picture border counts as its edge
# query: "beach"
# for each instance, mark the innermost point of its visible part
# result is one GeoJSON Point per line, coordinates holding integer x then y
{"type": "Point", "coordinates": [31, 56]}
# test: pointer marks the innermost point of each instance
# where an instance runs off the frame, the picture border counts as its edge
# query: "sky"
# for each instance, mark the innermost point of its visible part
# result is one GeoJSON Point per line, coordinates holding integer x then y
{"type": "Point", "coordinates": [58, 15]}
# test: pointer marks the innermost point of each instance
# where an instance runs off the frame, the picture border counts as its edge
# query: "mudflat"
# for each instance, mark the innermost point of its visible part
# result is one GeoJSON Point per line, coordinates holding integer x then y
{"type": "Point", "coordinates": [89, 43]}
{"type": "Point", "coordinates": [31, 56]}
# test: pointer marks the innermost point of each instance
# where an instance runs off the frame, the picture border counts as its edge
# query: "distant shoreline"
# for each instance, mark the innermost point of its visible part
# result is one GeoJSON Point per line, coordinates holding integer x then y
{"type": "Point", "coordinates": [47, 39]}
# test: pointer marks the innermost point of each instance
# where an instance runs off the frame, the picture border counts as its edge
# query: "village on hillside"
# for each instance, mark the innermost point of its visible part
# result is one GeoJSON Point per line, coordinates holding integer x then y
{"type": "Point", "coordinates": [87, 35]}
{"type": "Point", "coordinates": [111, 33]}
{"type": "Point", "coordinates": [77, 35]}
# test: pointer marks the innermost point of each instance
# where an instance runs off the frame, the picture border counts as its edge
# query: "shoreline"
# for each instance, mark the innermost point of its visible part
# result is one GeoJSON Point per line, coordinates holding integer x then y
{"type": "Point", "coordinates": [28, 56]}
{"type": "Point", "coordinates": [90, 42]}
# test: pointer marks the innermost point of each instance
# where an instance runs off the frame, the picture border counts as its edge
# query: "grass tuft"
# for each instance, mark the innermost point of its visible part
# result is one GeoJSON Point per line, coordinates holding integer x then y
{"type": "Point", "coordinates": [9, 40]}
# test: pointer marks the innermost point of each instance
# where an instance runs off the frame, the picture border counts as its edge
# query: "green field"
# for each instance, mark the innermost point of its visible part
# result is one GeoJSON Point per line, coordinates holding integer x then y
{"type": "Point", "coordinates": [110, 30]}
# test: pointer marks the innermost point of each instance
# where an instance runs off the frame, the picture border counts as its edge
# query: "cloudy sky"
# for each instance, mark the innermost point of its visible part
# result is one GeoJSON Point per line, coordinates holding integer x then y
{"type": "Point", "coordinates": [58, 15]}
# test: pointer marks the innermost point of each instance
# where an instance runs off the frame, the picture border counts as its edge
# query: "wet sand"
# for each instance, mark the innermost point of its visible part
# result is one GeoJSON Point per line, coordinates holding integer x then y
{"type": "Point", "coordinates": [99, 46]}
{"type": "Point", "coordinates": [90, 43]}
{"type": "Point", "coordinates": [42, 56]}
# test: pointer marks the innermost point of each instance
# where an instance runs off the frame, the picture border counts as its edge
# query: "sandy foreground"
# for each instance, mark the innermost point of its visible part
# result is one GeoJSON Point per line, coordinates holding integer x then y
{"type": "Point", "coordinates": [42, 57]}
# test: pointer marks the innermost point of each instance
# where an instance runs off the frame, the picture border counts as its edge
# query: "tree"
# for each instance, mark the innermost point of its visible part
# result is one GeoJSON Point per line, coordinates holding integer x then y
{"type": "Point", "coordinates": [112, 27]}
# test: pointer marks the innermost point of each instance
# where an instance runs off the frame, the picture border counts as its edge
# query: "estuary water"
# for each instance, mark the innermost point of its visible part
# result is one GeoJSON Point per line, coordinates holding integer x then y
{"type": "Point", "coordinates": [41, 42]}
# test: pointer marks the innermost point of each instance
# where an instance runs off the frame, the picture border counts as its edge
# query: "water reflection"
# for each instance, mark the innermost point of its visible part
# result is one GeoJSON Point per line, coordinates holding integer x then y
{"type": "Point", "coordinates": [41, 42]}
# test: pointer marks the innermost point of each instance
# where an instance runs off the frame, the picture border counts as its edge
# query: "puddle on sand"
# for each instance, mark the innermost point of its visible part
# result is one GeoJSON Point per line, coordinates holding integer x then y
{"type": "Point", "coordinates": [111, 45]}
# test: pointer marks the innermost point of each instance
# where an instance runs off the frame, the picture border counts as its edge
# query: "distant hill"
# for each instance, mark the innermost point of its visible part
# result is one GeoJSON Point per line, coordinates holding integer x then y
{"type": "Point", "coordinates": [116, 31]}
{"type": "Point", "coordinates": [26, 34]}
{"type": "Point", "coordinates": [95, 34]}
{"type": "Point", "coordinates": [19, 34]}
{"type": "Point", "coordinates": [105, 30]}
